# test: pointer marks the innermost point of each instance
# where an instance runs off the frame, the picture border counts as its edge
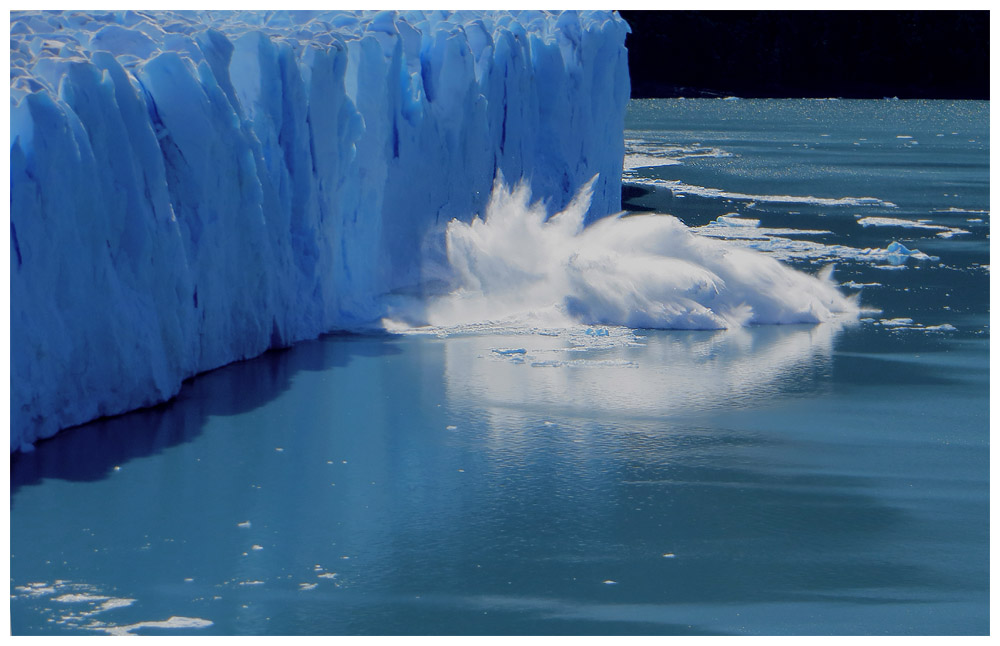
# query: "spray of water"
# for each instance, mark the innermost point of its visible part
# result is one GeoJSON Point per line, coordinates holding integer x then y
{"type": "Point", "coordinates": [642, 271]}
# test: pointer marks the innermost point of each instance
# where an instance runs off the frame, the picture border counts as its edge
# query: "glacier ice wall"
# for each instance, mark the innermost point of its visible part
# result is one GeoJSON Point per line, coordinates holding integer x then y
{"type": "Point", "coordinates": [192, 188]}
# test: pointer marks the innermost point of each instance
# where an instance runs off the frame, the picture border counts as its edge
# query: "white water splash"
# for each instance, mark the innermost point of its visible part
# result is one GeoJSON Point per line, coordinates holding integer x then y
{"type": "Point", "coordinates": [639, 271]}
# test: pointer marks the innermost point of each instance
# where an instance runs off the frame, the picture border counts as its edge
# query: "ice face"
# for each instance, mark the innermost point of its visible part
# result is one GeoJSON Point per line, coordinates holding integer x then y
{"type": "Point", "coordinates": [193, 188]}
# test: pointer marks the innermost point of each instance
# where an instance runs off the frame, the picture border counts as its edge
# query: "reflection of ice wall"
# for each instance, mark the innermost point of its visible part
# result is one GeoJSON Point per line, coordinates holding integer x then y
{"type": "Point", "coordinates": [189, 189]}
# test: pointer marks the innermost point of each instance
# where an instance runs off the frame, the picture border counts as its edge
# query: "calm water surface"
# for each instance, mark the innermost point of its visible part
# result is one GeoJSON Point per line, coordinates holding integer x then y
{"type": "Point", "coordinates": [804, 479]}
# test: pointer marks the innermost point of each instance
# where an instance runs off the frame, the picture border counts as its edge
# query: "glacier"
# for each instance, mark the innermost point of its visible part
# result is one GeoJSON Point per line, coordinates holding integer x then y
{"type": "Point", "coordinates": [193, 188]}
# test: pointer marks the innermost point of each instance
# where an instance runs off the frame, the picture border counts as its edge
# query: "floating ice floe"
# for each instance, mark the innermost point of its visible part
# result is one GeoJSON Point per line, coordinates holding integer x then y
{"type": "Point", "coordinates": [641, 152]}
{"type": "Point", "coordinates": [679, 188]}
{"type": "Point", "coordinates": [903, 323]}
{"type": "Point", "coordinates": [83, 606]}
{"type": "Point", "coordinates": [173, 623]}
{"type": "Point", "coordinates": [509, 352]}
{"type": "Point", "coordinates": [747, 232]}
{"type": "Point", "coordinates": [944, 232]}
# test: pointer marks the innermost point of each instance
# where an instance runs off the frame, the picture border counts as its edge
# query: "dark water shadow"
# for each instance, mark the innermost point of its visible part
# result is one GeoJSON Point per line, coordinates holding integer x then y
{"type": "Point", "coordinates": [91, 451]}
{"type": "Point", "coordinates": [631, 193]}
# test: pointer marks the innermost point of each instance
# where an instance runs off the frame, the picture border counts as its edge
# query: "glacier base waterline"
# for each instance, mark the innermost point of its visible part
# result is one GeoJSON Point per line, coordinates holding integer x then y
{"type": "Point", "coordinates": [192, 188]}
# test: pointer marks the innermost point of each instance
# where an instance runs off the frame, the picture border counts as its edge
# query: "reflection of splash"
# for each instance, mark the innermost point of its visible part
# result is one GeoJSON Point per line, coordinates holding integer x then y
{"type": "Point", "coordinates": [661, 374]}
{"type": "Point", "coordinates": [77, 605]}
{"type": "Point", "coordinates": [641, 271]}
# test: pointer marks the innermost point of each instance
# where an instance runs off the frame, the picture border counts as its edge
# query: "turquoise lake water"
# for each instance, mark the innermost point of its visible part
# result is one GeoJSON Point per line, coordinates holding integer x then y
{"type": "Point", "coordinates": [829, 479]}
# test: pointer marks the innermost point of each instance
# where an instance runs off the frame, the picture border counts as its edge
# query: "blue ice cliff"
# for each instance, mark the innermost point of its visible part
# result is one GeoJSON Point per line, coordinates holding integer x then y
{"type": "Point", "coordinates": [192, 188]}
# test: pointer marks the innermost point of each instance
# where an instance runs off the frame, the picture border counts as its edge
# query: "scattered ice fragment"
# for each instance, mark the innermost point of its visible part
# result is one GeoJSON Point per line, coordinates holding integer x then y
{"type": "Point", "coordinates": [677, 188]}
{"type": "Point", "coordinates": [609, 582]}
{"type": "Point", "coordinates": [450, 427]}
{"type": "Point", "coordinates": [944, 327]}
{"type": "Point", "coordinates": [173, 622]}
{"type": "Point", "coordinates": [668, 555]}
{"type": "Point", "coordinates": [257, 548]}
{"type": "Point", "coordinates": [945, 232]}
{"type": "Point", "coordinates": [896, 322]}
{"type": "Point", "coordinates": [278, 449]}
{"type": "Point", "coordinates": [111, 604]}
{"type": "Point", "coordinates": [511, 351]}
{"type": "Point", "coordinates": [251, 583]}
{"type": "Point", "coordinates": [327, 575]}
{"type": "Point", "coordinates": [79, 598]}
{"type": "Point", "coordinates": [245, 524]}
{"type": "Point", "coordinates": [899, 254]}
{"type": "Point", "coordinates": [307, 586]}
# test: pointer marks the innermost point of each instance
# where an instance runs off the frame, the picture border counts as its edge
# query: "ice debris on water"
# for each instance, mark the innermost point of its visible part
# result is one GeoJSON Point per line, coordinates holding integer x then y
{"type": "Point", "coordinates": [897, 254]}
{"type": "Point", "coordinates": [942, 231]}
{"type": "Point", "coordinates": [896, 322]}
{"type": "Point", "coordinates": [903, 323]}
